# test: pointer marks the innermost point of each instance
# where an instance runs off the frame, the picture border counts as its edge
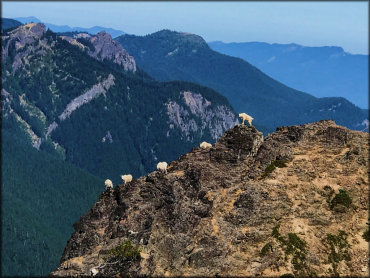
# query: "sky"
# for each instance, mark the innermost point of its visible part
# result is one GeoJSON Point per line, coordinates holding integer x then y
{"type": "Point", "coordinates": [344, 24]}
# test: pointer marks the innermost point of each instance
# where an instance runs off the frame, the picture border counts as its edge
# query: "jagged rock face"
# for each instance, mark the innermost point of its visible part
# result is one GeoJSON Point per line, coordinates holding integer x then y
{"type": "Point", "coordinates": [25, 35]}
{"type": "Point", "coordinates": [216, 208]}
{"type": "Point", "coordinates": [106, 48]}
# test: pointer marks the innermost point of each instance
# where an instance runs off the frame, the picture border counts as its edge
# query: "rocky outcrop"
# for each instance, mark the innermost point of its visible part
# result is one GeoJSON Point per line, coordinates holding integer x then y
{"type": "Point", "coordinates": [30, 35]}
{"type": "Point", "coordinates": [96, 90]}
{"type": "Point", "coordinates": [225, 211]}
{"type": "Point", "coordinates": [105, 48]}
{"type": "Point", "coordinates": [102, 47]}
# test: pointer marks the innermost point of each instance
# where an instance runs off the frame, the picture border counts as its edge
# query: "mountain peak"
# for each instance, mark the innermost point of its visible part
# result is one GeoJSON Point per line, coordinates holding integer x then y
{"type": "Point", "coordinates": [30, 29]}
{"type": "Point", "coordinates": [107, 48]}
{"type": "Point", "coordinates": [28, 19]}
{"type": "Point", "coordinates": [219, 206]}
{"type": "Point", "coordinates": [103, 34]}
{"type": "Point", "coordinates": [180, 37]}
{"type": "Point", "coordinates": [29, 34]}
{"type": "Point", "coordinates": [102, 47]}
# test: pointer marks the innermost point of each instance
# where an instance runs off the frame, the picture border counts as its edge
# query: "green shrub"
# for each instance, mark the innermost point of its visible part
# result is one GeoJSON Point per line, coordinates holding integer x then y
{"type": "Point", "coordinates": [272, 166]}
{"type": "Point", "coordinates": [126, 250]}
{"type": "Point", "coordinates": [366, 235]}
{"type": "Point", "coordinates": [280, 163]}
{"type": "Point", "coordinates": [266, 249]}
{"type": "Point", "coordinates": [339, 249]}
{"type": "Point", "coordinates": [294, 246]}
{"type": "Point", "coordinates": [287, 275]}
{"type": "Point", "coordinates": [276, 234]}
{"type": "Point", "coordinates": [341, 198]}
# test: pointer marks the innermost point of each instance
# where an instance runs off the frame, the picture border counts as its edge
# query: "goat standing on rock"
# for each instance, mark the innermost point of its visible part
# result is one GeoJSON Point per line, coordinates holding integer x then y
{"type": "Point", "coordinates": [126, 178]}
{"type": "Point", "coordinates": [162, 166]}
{"type": "Point", "coordinates": [246, 117]}
{"type": "Point", "coordinates": [205, 145]}
{"type": "Point", "coordinates": [108, 184]}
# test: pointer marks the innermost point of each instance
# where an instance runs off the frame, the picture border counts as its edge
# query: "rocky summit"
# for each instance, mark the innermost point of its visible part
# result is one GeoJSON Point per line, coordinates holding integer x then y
{"type": "Point", "coordinates": [295, 202]}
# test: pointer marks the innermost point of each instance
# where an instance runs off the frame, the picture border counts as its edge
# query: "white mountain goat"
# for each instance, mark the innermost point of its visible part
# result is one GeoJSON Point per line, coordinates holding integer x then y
{"type": "Point", "coordinates": [245, 117]}
{"type": "Point", "coordinates": [162, 166]}
{"type": "Point", "coordinates": [93, 271]}
{"type": "Point", "coordinates": [126, 178]}
{"type": "Point", "coordinates": [205, 145]}
{"type": "Point", "coordinates": [108, 184]}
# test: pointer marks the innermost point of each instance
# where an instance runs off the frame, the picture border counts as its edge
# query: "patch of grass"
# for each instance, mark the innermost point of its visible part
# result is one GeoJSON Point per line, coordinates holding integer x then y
{"type": "Point", "coordinates": [126, 250]}
{"type": "Point", "coordinates": [272, 166]}
{"type": "Point", "coordinates": [339, 249]}
{"type": "Point", "coordinates": [341, 199]}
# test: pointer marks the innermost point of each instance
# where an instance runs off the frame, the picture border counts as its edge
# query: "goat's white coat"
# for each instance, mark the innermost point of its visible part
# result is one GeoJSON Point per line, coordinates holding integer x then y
{"type": "Point", "coordinates": [205, 145]}
{"type": "Point", "coordinates": [126, 178]}
{"type": "Point", "coordinates": [162, 166]}
{"type": "Point", "coordinates": [93, 271]}
{"type": "Point", "coordinates": [246, 117]}
{"type": "Point", "coordinates": [108, 184]}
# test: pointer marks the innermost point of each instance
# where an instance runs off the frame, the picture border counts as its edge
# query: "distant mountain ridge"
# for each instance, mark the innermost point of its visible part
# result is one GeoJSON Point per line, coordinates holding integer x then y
{"type": "Point", "coordinates": [65, 28]}
{"type": "Point", "coordinates": [326, 71]}
{"type": "Point", "coordinates": [170, 55]}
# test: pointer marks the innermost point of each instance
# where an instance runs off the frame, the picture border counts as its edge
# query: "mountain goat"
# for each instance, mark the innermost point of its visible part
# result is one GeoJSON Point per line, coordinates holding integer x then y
{"type": "Point", "coordinates": [108, 184]}
{"type": "Point", "coordinates": [93, 271]}
{"type": "Point", "coordinates": [162, 166]}
{"type": "Point", "coordinates": [245, 117]}
{"type": "Point", "coordinates": [126, 178]}
{"type": "Point", "coordinates": [205, 145]}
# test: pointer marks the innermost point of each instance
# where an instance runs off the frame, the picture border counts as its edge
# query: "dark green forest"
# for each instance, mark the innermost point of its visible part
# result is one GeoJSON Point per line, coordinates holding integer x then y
{"type": "Point", "coordinates": [42, 197]}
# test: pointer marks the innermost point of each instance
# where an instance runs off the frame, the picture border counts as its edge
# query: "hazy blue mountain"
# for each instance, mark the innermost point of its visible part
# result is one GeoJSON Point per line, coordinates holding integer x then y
{"type": "Point", "coordinates": [326, 71]}
{"type": "Point", "coordinates": [65, 28]}
{"type": "Point", "coordinates": [7, 23]}
{"type": "Point", "coordinates": [28, 19]}
{"type": "Point", "coordinates": [168, 55]}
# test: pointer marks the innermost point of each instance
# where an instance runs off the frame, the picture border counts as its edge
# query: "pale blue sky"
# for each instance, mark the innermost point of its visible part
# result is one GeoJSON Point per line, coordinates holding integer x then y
{"type": "Point", "coordinates": [342, 24]}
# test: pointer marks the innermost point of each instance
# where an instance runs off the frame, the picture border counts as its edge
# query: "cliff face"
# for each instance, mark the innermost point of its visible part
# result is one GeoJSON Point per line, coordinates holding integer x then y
{"type": "Point", "coordinates": [102, 47]}
{"type": "Point", "coordinates": [294, 202]}
{"type": "Point", "coordinates": [28, 42]}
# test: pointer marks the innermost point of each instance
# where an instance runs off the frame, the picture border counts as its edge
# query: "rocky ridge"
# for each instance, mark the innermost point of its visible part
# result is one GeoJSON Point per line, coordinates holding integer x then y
{"type": "Point", "coordinates": [103, 48]}
{"type": "Point", "coordinates": [226, 211]}
{"type": "Point", "coordinates": [26, 35]}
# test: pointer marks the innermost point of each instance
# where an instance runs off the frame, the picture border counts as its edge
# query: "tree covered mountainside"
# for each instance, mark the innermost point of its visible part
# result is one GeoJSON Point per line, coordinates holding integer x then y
{"type": "Point", "coordinates": [7, 23]}
{"type": "Point", "coordinates": [322, 71]}
{"type": "Point", "coordinates": [76, 111]}
{"type": "Point", "coordinates": [168, 55]}
{"type": "Point", "coordinates": [93, 112]}
{"type": "Point", "coordinates": [41, 197]}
